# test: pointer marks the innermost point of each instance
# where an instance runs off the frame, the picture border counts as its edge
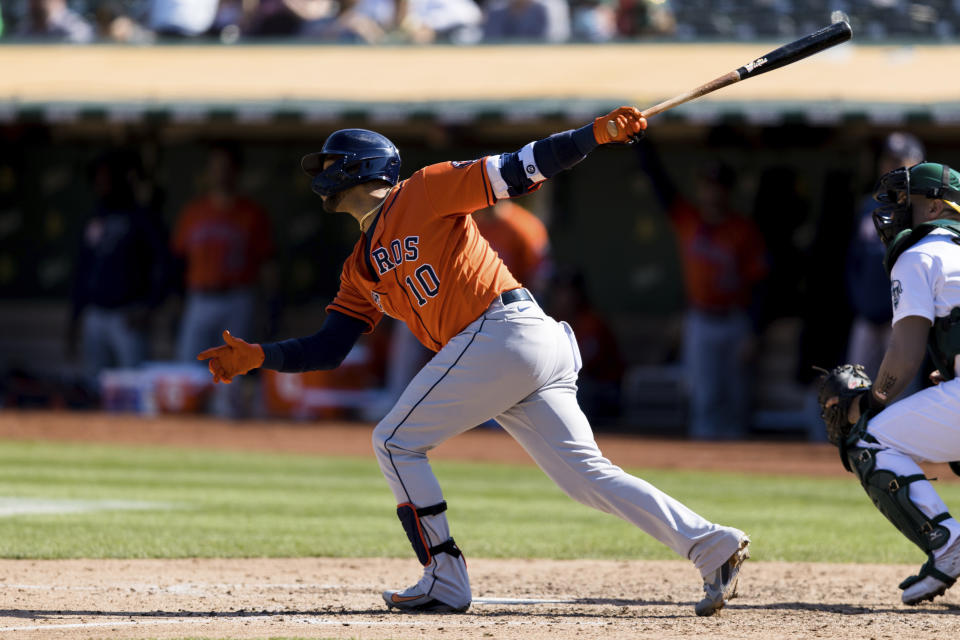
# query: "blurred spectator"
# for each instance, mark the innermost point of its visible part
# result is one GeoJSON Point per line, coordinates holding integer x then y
{"type": "Point", "coordinates": [54, 20]}
{"type": "Point", "coordinates": [868, 284]}
{"type": "Point", "coordinates": [224, 240]}
{"type": "Point", "coordinates": [598, 385]}
{"type": "Point", "coordinates": [520, 238]}
{"type": "Point", "coordinates": [516, 20]}
{"type": "Point", "coordinates": [277, 18]}
{"type": "Point", "coordinates": [724, 264]}
{"type": "Point", "coordinates": [355, 21]}
{"type": "Point", "coordinates": [454, 21]}
{"type": "Point", "coordinates": [182, 18]}
{"type": "Point", "coordinates": [121, 272]}
{"type": "Point", "coordinates": [115, 23]}
{"type": "Point", "coordinates": [593, 20]}
{"type": "Point", "coordinates": [638, 18]}
{"type": "Point", "coordinates": [532, 20]}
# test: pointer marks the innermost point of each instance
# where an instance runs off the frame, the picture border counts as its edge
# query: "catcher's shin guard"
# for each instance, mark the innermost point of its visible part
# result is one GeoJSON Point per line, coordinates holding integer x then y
{"type": "Point", "coordinates": [410, 516]}
{"type": "Point", "coordinates": [890, 493]}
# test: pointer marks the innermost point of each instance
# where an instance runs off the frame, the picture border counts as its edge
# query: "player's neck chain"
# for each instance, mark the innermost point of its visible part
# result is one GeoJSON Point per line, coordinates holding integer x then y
{"type": "Point", "coordinates": [363, 218]}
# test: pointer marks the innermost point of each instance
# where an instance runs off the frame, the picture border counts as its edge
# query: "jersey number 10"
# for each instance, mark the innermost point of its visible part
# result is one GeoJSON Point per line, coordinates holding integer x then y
{"type": "Point", "coordinates": [428, 281]}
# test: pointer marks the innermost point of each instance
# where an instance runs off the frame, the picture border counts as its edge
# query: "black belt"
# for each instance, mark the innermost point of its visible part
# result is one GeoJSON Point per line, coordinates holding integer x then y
{"type": "Point", "coordinates": [515, 295]}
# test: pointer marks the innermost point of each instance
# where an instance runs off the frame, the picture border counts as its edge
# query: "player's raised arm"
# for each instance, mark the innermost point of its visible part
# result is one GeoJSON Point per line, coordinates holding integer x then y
{"type": "Point", "coordinates": [460, 188]}
{"type": "Point", "coordinates": [513, 174]}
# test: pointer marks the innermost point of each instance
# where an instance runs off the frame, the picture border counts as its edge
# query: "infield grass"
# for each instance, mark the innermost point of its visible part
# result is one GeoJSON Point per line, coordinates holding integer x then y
{"type": "Point", "coordinates": [224, 504]}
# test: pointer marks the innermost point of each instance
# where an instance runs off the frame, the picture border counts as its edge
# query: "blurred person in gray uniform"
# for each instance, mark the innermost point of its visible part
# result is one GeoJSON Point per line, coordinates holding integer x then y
{"type": "Point", "coordinates": [120, 274]}
{"type": "Point", "coordinates": [54, 20]}
{"type": "Point", "coordinates": [182, 18]}
{"type": "Point", "coordinates": [868, 284]}
{"type": "Point", "coordinates": [539, 20]}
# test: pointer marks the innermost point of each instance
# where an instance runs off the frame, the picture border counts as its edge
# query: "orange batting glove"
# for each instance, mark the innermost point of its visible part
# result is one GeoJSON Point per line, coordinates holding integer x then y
{"type": "Point", "coordinates": [234, 358]}
{"type": "Point", "coordinates": [623, 124]}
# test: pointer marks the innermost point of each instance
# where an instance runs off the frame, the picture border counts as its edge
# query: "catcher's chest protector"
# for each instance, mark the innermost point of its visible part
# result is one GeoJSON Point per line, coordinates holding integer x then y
{"type": "Point", "coordinates": [944, 341]}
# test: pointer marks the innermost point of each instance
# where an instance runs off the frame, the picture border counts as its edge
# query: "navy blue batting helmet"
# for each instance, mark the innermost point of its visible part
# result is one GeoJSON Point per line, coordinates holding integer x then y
{"type": "Point", "coordinates": [359, 156]}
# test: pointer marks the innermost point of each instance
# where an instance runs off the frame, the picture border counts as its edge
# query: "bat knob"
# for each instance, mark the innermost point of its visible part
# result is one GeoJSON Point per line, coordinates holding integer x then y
{"type": "Point", "coordinates": [612, 128]}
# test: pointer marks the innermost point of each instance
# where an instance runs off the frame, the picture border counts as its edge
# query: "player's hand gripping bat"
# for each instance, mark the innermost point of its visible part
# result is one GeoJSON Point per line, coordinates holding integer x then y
{"type": "Point", "coordinates": [787, 54]}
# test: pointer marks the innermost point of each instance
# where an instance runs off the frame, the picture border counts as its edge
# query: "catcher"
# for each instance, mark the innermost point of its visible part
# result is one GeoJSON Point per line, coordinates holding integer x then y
{"type": "Point", "coordinates": [881, 441]}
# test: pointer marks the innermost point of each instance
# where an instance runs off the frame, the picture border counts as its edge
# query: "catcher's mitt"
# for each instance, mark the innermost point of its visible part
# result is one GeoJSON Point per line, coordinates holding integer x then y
{"type": "Point", "coordinates": [846, 383]}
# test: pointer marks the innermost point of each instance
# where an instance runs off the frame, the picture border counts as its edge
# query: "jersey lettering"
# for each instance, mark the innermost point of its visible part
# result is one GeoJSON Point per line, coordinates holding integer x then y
{"type": "Point", "coordinates": [410, 245]}
{"type": "Point", "coordinates": [406, 251]}
{"type": "Point", "coordinates": [382, 259]}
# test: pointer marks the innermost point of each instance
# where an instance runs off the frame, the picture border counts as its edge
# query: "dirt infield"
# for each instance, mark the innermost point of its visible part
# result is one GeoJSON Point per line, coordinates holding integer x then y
{"type": "Point", "coordinates": [530, 599]}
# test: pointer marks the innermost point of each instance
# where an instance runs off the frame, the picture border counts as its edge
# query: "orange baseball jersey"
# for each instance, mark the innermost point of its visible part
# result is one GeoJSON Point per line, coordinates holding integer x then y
{"type": "Point", "coordinates": [423, 261]}
{"type": "Point", "coordinates": [721, 262]}
{"type": "Point", "coordinates": [518, 237]}
{"type": "Point", "coordinates": [223, 248]}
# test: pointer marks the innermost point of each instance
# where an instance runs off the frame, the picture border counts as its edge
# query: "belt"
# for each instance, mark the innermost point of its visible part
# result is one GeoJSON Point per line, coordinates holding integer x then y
{"type": "Point", "coordinates": [515, 295]}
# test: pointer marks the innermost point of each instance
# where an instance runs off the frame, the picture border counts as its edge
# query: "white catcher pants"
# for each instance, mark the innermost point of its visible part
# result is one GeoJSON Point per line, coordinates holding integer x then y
{"type": "Point", "coordinates": [518, 365]}
{"type": "Point", "coordinates": [922, 427]}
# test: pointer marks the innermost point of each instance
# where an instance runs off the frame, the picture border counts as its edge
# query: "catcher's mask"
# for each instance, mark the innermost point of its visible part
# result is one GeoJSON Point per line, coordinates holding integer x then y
{"type": "Point", "coordinates": [895, 213]}
{"type": "Point", "coordinates": [359, 156]}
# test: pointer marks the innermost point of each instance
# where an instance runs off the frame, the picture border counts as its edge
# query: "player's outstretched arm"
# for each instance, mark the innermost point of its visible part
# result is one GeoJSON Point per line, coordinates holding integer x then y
{"type": "Point", "coordinates": [520, 172]}
{"type": "Point", "coordinates": [325, 349]}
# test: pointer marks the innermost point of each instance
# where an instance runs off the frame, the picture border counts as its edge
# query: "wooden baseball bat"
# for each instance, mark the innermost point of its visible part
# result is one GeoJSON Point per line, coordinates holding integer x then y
{"type": "Point", "coordinates": [787, 54]}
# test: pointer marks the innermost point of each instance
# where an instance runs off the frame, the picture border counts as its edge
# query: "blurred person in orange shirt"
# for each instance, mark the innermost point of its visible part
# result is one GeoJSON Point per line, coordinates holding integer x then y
{"type": "Point", "coordinates": [519, 238]}
{"type": "Point", "coordinates": [724, 266]}
{"type": "Point", "coordinates": [224, 240]}
{"type": "Point", "coordinates": [598, 387]}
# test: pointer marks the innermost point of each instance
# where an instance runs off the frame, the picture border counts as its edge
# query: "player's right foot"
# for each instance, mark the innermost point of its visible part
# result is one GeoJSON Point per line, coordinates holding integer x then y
{"type": "Point", "coordinates": [721, 585]}
{"type": "Point", "coordinates": [933, 581]}
{"type": "Point", "coordinates": [414, 601]}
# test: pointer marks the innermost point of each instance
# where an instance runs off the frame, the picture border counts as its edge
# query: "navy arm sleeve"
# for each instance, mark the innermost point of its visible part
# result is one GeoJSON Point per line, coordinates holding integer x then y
{"type": "Point", "coordinates": [325, 349]}
{"type": "Point", "coordinates": [521, 171]}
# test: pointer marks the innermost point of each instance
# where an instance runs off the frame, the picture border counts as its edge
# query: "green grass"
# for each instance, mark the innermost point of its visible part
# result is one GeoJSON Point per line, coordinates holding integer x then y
{"type": "Point", "coordinates": [255, 504]}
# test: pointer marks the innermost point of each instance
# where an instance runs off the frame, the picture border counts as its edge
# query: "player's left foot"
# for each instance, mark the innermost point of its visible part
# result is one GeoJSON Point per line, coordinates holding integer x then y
{"type": "Point", "coordinates": [721, 585]}
{"type": "Point", "coordinates": [414, 601]}
{"type": "Point", "coordinates": [934, 578]}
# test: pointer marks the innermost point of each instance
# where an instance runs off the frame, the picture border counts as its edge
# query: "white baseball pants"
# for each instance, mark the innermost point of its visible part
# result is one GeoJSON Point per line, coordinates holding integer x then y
{"type": "Point", "coordinates": [518, 365]}
{"type": "Point", "coordinates": [922, 427]}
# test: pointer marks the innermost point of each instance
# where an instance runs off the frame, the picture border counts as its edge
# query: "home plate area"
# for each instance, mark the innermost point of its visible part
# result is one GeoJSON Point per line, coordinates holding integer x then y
{"type": "Point", "coordinates": [340, 598]}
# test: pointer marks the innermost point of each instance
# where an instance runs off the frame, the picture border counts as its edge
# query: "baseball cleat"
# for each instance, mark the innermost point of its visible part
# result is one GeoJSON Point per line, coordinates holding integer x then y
{"type": "Point", "coordinates": [412, 601]}
{"type": "Point", "coordinates": [935, 577]}
{"type": "Point", "coordinates": [721, 585]}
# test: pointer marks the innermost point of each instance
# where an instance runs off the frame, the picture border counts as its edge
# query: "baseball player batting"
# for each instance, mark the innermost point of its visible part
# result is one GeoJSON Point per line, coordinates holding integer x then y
{"type": "Point", "coordinates": [881, 438]}
{"type": "Point", "coordinates": [420, 259]}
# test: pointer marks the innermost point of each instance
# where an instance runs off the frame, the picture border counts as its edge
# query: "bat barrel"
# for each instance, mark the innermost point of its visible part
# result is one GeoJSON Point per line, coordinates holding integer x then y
{"type": "Point", "coordinates": [806, 46]}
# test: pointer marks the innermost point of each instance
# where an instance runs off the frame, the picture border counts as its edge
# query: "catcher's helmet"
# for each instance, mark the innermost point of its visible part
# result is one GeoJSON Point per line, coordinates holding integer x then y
{"type": "Point", "coordinates": [895, 213]}
{"type": "Point", "coordinates": [359, 156]}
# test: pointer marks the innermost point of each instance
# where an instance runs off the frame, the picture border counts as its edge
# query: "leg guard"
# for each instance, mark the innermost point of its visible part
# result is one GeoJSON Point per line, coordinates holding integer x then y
{"type": "Point", "coordinates": [928, 569]}
{"type": "Point", "coordinates": [890, 493]}
{"type": "Point", "coordinates": [410, 519]}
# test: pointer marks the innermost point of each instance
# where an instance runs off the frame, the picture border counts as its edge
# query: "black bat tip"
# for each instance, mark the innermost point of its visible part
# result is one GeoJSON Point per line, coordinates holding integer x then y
{"type": "Point", "coordinates": [841, 23]}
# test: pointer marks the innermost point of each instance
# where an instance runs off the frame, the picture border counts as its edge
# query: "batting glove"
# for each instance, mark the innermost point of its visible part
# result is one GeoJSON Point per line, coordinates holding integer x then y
{"type": "Point", "coordinates": [623, 124]}
{"type": "Point", "coordinates": [234, 358]}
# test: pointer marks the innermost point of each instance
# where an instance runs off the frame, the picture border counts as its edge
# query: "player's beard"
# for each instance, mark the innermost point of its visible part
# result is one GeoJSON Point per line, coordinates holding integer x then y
{"type": "Point", "coordinates": [331, 204]}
